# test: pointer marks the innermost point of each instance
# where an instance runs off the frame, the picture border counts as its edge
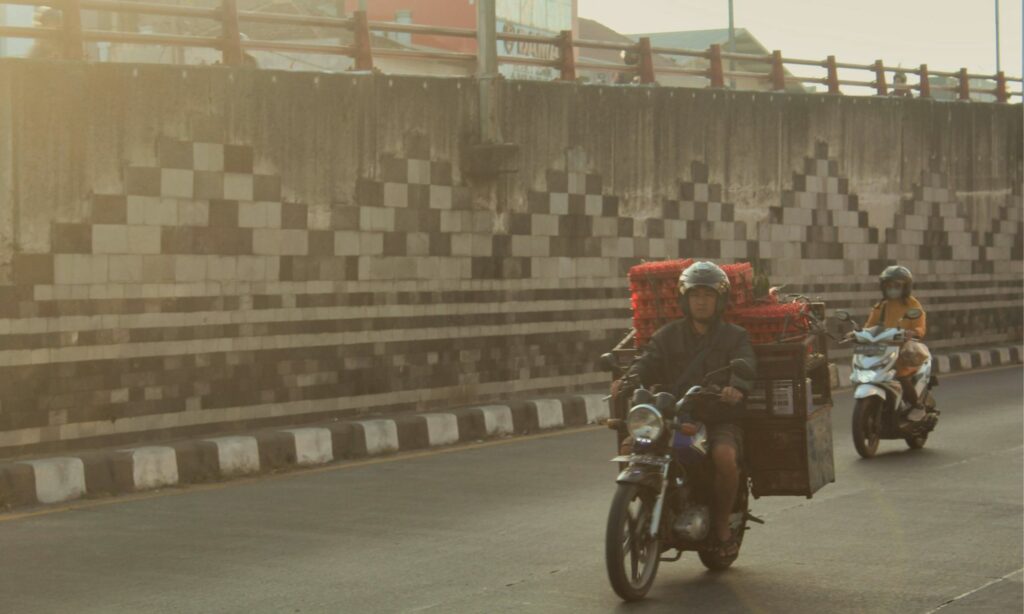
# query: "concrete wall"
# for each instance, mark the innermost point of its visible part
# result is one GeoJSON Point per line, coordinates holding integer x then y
{"type": "Point", "coordinates": [206, 248]}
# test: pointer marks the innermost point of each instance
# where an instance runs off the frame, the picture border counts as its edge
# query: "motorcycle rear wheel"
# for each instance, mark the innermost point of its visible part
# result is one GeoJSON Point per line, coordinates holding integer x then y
{"type": "Point", "coordinates": [711, 559]}
{"type": "Point", "coordinates": [867, 426]}
{"type": "Point", "coordinates": [631, 555]}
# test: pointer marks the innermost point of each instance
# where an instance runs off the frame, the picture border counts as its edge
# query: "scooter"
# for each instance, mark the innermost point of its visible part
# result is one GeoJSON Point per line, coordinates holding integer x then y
{"type": "Point", "coordinates": [879, 409]}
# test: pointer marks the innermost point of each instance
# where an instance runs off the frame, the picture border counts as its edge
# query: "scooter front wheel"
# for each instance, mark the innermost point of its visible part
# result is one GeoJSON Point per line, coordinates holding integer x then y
{"type": "Point", "coordinates": [867, 418]}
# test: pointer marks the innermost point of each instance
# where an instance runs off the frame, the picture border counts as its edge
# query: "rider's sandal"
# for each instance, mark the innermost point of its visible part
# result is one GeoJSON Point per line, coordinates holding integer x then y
{"type": "Point", "coordinates": [729, 548]}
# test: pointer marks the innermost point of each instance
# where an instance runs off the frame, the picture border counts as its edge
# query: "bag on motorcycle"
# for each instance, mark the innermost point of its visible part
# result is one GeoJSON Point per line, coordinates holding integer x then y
{"type": "Point", "coordinates": [912, 354]}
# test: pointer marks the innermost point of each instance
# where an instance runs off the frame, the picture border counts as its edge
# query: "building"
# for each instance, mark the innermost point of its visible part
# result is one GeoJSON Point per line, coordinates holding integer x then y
{"type": "Point", "coordinates": [539, 17]}
{"type": "Point", "coordinates": [16, 15]}
{"type": "Point", "coordinates": [596, 31]}
{"type": "Point", "coordinates": [744, 42]}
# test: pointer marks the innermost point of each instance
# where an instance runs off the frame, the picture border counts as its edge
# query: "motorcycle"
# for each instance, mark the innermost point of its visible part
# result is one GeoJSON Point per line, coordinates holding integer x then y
{"type": "Point", "coordinates": [879, 408]}
{"type": "Point", "coordinates": [666, 490]}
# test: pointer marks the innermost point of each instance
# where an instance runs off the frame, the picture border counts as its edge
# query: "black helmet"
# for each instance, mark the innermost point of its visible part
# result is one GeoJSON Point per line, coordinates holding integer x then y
{"type": "Point", "coordinates": [706, 274]}
{"type": "Point", "coordinates": [896, 273]}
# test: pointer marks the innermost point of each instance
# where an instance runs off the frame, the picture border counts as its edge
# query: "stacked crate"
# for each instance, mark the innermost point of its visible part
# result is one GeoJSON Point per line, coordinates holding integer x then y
{"type": "Point", "coordinates": [654, 289]}
{"type": "Point", "coordinates": [788, 423]}
{"type": "Point", "coordinates": [772, 322]}
{"type": "Point", "coordinates": [654, 294]}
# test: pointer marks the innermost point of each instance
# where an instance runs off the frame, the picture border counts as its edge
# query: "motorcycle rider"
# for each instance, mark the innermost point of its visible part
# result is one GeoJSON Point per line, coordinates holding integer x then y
{"type": "Point", "coordinates": [680, 354]}
{"type": "Point", "coordinates": [896, 283]}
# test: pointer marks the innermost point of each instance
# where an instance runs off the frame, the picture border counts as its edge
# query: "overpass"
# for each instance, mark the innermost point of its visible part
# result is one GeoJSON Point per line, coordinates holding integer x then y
{"type": "Point", "coordinates": [191, 249]}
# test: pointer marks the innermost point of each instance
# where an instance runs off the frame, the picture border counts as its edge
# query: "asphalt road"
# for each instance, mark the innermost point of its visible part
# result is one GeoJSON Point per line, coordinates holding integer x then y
{"type": "Point", "coordinates": [517, 526]}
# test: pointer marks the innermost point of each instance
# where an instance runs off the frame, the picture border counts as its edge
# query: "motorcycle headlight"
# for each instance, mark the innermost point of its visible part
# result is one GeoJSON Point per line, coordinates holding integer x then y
{"type": "Point", "coordinates": [644, 422]}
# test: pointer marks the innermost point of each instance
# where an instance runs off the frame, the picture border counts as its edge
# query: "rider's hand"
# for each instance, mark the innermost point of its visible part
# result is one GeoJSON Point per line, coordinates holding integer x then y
{"type": "Point", "coordinates": [731, 395]}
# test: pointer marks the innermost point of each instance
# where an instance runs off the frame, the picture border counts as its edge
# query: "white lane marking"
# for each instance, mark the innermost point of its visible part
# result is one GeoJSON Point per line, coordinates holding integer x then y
{"type": "Point", "coordinates": [597, 407]}
{"type": "Point", "coordinates": [153, 467]}
{"type": "Point", "coordinates": [58, 479]}
{"type": "Point", "coordinates": [381, 436]}
{"type": "Point", "coordinates": [237, 455]}
{"type": "Point", "coordinates": [549, 413]}
{"type": "Point", "coordinates": [497, 419]}
{"type": "Point", "coordinates": [442, 429]}
{"type": "Point", "coordinates": [980, 588]}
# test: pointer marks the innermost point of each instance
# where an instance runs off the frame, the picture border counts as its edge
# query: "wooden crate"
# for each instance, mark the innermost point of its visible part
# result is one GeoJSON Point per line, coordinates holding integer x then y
{"type": "Point", "coordinates": [790, 456]}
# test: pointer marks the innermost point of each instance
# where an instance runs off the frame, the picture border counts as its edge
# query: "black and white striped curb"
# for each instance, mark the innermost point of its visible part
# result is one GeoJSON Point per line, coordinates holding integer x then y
{"type": "Point", "coordinates": [951, 362]}
{"type": "Point", "coordinates": [112, 472]}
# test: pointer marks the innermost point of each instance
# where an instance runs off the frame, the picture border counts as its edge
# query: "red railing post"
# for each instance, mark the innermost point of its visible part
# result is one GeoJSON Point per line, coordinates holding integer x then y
{"type": "Point", "coordinates": [646, 61]}
{"type": "Point", "coordinates": [566, 56]}
{"type": "Point", "coordinates": [778, 72]}
{"type": "Point", "coordinates": [231, 47]}
{"type": "Point", "coordinates": [71, 23]}
{"type": "Point", "coordinates": [965, 85]}
{"type": "Point", "coordinates": [1001, 94]}
{"type": "Point", "coordinates": [361, 34]}
{"type": "Point", "coordinates": [715, 73]}
{"type": "Point", "coordinates": [833, 75]}
{"type": "Point", "coordinates": [880, 87]}
{"type": "Point", "coordinates": [924, 85]}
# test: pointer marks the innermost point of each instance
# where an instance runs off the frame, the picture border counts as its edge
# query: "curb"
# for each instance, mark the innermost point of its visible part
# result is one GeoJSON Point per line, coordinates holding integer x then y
{"type": "Point", "coordinates": [950, 362]}
{"type": "Point", "coordinates": [124, 471]}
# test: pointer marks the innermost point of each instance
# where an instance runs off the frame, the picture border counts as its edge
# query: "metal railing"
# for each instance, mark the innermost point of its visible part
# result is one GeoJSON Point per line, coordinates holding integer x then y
{"type": "Point", "coordinates": [70, 39]}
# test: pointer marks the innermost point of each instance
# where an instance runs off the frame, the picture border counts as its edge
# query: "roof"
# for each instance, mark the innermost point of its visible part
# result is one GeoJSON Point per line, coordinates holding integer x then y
{"type": "Point", "coordinates": [698, 40]}
{"type": "Point", "coordinates": [702, 39]}
{"type": "Point", "coordinates": [597, 31]}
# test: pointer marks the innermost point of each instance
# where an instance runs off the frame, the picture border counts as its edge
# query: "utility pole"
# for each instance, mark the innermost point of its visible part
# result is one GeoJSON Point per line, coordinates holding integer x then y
{"type": "Point", "coordinates": [487, 69]}
{"type": "Point", "coordinates": [998, 67]}
{"type": "Point", "coordinates": [732, 44]}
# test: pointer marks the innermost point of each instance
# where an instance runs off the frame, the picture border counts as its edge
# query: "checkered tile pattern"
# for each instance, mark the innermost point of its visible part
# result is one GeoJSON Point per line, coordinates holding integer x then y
{"type": "Point", "coordinates": [202, 294]}
{"type": "Point", "coordinates": [940, 231]}
{"type": "Point", "coordinates": [818, 230]}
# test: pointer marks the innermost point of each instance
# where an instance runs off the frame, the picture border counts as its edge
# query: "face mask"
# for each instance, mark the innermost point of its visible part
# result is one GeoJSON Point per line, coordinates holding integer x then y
{"type": "Point", "coordinates": [893, 293]}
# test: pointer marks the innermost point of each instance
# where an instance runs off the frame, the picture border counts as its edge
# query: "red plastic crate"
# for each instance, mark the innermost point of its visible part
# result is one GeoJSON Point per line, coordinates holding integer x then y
{"type": "Point", "coordinates": [654, 289]}
{"type": "Point", "coordinates": [741, 280]}
{"type": "Point", "coordinates": [772, 323]}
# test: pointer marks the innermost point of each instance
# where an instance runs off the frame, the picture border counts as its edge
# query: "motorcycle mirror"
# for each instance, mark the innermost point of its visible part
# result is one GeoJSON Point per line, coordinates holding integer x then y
{"type": "Point", "coordinates": [912, 314]}
{"type": "Point", "coordinates": [742, 369]}
{"type": "Point", "coordinates": [608, 363]}
{"type": "Point", "coordinates": [664, 401]}
{"type": "Point", "coordinates": [642, 395]}
{"type": "Point", "coordinates": [843, 316]}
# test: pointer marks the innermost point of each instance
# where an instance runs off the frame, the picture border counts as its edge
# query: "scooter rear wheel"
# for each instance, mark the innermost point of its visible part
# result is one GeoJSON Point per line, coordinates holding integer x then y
{"type": "Point", "coordinates": [867, 427]}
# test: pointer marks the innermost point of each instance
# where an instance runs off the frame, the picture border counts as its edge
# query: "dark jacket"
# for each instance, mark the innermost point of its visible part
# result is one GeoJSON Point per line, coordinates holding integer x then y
{"type": "Point", "coordinates": [667, 358]}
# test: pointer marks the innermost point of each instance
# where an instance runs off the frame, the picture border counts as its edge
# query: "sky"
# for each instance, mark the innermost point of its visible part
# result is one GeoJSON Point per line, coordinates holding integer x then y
{"type": "Point", "coordinates": [945, 34]}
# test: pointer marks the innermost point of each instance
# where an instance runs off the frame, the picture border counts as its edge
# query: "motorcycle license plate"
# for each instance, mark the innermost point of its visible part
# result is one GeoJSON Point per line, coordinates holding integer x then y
{"type": "Point", "coordinates": [870, 350]}
{"type": "Point", "coordinates": [642, 459]}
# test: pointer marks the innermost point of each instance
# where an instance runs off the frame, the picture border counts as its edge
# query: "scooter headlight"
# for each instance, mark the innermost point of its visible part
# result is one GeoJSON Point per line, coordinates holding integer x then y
{"type": "Point", "coordinates": [645, 422]}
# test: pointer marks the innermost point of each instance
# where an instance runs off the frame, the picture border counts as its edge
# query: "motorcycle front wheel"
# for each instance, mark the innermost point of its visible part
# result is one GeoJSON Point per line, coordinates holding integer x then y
{"type": "Point", "coordinates": [867, 426]}
{"type": "Point", "coordinates": [631, 554]}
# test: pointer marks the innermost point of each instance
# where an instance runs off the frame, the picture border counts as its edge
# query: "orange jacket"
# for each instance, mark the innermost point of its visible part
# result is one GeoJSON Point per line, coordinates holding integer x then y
{"type": "Point", "coordinates": [894, 311]}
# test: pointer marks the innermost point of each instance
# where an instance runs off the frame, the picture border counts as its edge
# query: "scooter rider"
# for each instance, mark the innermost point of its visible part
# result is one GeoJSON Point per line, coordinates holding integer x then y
{"type": "Point", "coordinates": [680, 354]}
{"type": "Point", "coordinates": [896, 283]}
